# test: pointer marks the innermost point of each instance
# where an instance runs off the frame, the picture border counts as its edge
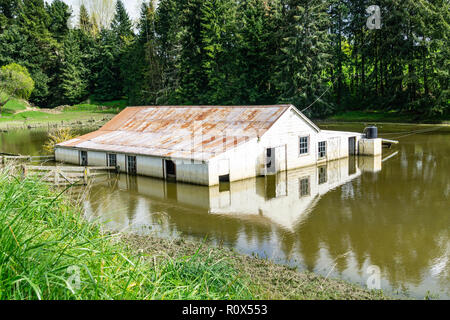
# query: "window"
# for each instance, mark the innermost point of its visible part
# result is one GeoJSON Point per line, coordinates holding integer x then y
{"type": "Point", "coordinates": [112, 160]}
{"type": "Point", "coordinates": [323, 177]}
{"type": "Point", "coordinates": [304, 145]}
{"type": "Point", "coordinates": [304, 187]}
{"type": "Point", "coordinates": [322, 149]}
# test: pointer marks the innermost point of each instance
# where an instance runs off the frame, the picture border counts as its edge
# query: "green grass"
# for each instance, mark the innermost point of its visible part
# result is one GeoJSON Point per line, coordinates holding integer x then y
{"type": "Point", "coordinates": [45, 242]}
{"type": "Point", "coordinates": [13, 106]}
{"type": "Point", "coordinates": [121, 104]}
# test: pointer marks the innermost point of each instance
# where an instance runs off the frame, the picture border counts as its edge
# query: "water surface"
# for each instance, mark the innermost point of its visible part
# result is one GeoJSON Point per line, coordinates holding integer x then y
{"type": "Point", "coordinates": [336, 220]}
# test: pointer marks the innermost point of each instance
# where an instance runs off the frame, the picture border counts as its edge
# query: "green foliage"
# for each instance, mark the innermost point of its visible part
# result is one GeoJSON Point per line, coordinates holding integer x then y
{"type": "Point", "coordinates": [59, 13]}
{"type": "Point", "coordinates": [73, 82]}
{"type": "Point", "coordinates": [305, 52]}
{"type": "Point", "coordinates": [16, 81]}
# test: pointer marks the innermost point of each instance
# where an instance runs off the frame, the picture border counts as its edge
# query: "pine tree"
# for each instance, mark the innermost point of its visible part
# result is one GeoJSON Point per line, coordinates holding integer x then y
{"type": "Point", "coordinates": [73, 81]}
{"type": "Point", "coordinates": [169, 31]}
{"type": "Point", "coordinates": [121, 25]}
{"type": "Point", "coordinates": [143, 79]}
{"type": "Point", "coordinates": [84, 21]}
{"type": "Point", "coordinates": [206, 58]}
{"type": "Point", "coordinates": [305, 56]}
{"type": "Point", "coordinates": [8, 9]}
{"type": "Point", "coordinates": [60, 14]}
{"type": "Point", "coordinates": [258, 47]}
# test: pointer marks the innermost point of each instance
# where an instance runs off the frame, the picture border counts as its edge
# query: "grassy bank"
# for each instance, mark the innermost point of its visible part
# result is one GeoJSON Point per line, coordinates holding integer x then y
{"type": "Point", "coordinates": [46, 246]}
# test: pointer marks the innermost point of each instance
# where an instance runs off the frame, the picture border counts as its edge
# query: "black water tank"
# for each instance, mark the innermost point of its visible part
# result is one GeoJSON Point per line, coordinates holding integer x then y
{"type": "Point", "coordinates": [371, 132]}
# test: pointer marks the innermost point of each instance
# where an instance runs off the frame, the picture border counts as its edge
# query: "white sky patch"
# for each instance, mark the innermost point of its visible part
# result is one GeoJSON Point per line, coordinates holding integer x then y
{"type": "Point", "coordinates": [133, 8]}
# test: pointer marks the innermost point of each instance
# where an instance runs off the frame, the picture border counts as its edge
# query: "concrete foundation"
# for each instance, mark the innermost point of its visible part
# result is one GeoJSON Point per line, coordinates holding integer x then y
{"type": "Point", "coordinates": [370, 147]}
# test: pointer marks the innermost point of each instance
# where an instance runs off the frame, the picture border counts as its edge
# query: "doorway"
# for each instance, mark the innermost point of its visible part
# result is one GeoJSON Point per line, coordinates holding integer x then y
{"type": "Point", "coordinates": [131, 165]}
{"type": "Point", "coordinates": [351, 146]}
{"type": "Point", "coordinates": [171, 169]}
{"type": "Point", "coordinates": [84, 158]}
{"type": "Point", "coordinates": [270, 161]}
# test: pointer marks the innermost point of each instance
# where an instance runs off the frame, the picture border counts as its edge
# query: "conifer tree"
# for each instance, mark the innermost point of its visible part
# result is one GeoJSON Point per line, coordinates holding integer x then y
{"type": "Point", "coordinates": [73, 80]}
{"type": "Point", "coordinates": [305, 55]}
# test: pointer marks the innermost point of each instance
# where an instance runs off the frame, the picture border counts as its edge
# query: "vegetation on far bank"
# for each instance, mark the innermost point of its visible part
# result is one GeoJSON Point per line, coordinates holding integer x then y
{"type": "Point", "coordinates": [385, 116]}
{"type": "Point", "coordinates": [49, 251]}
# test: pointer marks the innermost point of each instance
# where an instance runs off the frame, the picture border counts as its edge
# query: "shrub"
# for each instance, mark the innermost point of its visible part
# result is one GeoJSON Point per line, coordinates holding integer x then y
{"type": "Point", "coordinates": [16, 81]}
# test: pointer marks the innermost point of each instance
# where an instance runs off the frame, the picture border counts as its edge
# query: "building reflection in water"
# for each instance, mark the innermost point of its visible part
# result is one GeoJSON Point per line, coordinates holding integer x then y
{"type": "Point", "coordinates": [320, 218]}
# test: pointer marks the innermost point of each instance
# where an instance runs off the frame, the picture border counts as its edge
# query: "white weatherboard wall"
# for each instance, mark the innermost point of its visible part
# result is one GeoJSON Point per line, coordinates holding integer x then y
{"type": "Point", "coordinates": [67, 155]}
{"type": "Point", "coordinates": [96, 158]}
{"type": "Point", "coordinates": [192, 172]}
{"type": "Point", "coordinates": [286, 132]}
{"type": "Point", "coordinates": [150, 166]}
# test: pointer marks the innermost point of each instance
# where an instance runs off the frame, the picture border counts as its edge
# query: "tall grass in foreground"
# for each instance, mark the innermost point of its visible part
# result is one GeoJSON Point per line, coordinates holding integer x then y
{"type": "Point", "coordinates": [45, 243]}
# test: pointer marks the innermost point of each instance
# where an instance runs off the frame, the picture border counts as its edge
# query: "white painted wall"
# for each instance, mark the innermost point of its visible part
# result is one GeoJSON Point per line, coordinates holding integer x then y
{"type": "Point", "coordinates": [97, 159]}
{"type": "Point", "coordinates": [67, 155]}
{"type": "Point", "coordinates": [150, 166]}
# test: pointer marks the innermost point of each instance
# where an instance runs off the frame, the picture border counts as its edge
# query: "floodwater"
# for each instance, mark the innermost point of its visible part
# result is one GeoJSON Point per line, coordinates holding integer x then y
{"type": "Point", "coordinates": [343, 220]}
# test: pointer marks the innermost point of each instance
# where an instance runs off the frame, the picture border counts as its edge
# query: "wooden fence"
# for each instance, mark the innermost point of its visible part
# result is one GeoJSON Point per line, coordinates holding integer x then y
{"type": "Point", "coordinates": [4, 158]}
{"type": "Point", "coordinates": [66, 175]}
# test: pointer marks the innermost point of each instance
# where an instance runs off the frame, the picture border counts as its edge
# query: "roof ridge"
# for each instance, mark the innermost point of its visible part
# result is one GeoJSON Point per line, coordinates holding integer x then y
{"type": "Point", "coordinates": [220, 106]}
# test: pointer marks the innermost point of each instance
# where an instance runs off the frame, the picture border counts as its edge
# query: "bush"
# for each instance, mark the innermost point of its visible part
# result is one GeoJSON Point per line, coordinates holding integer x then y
{"type": "Point", "coordinates": [16, 81]}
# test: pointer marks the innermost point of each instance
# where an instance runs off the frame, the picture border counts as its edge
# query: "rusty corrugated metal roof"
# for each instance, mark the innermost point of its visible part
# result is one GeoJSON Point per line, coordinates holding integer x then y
{"type": "Point", "coordinates": [184, 132]}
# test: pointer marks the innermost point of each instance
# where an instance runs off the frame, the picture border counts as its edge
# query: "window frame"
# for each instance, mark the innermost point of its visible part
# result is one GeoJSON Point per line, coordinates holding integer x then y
{"type": "Point", "coordinates": [109, 159]}
{"type": "Point", "coordinates": [301, 193]}
{"type": "Point", "coordinates": [324, 151]}
{"type": "Point", "coordinates": [308, 144]}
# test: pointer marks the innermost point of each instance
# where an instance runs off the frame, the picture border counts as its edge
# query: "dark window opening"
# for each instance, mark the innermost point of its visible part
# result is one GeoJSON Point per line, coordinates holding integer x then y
{"type": "Point", "coordinates": [84, 158]}
{"type": "Point", "coordinates": [112, 160]}
{"type": "Point", "coordinates": [323, 176]}
{"type": "Point", "coordinates": [131, 165]}
{"type": "Point", "coordinates": [224, 178]}
{"type": "Point", "coordinates": [304, 187]}
{"type": "Point", "coordinates": [304, 145]}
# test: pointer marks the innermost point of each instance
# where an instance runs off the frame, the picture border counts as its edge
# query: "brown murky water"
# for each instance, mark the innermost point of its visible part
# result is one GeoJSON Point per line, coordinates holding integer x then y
{"type": "Point", "coordinates": [338, 220]}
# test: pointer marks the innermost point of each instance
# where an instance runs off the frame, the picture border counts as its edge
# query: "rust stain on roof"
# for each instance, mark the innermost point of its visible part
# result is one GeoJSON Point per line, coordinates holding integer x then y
{"type": "Point", "coordinates": [185, 132]}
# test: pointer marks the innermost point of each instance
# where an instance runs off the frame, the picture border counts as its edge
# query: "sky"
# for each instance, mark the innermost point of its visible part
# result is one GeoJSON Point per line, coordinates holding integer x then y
{"type": "Point", "coordinates": [132, 6]}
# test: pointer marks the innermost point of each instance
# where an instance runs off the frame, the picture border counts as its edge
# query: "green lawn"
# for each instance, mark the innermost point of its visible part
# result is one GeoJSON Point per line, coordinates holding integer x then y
{"type": "Point", "coordinates": [13, 105]}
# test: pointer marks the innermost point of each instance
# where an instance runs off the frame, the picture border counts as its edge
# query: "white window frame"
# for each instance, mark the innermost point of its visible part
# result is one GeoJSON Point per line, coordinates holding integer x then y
{"type": "Point", "coordinates": [308, 144]}
{"type": "Point", "coordinates": [318, 149]}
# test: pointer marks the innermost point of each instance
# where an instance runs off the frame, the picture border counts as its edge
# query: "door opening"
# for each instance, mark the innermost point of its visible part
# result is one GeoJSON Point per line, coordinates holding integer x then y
{"type": "Point", "coordinates": [270, 161]}
{"type": "Point", "coordinates": [84, 158]}
{"type": "Point", "coordinates": [131, 165]}
{"type": "Point", "coordinates": [171, 169]}
{"type": "Point", "coordinates": [351, 146]}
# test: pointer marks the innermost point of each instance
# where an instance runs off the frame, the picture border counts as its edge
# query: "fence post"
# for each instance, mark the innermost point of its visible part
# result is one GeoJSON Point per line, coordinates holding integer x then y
{"type": "Point", "coordinates": [85, 176]}
{"type": "Point", "coordinates": [24, 171]}
{"type": "Point", "coordinates": [56, 176]}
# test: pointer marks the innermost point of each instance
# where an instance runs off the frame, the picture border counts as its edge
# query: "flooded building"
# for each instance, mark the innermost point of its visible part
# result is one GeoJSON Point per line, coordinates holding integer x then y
{"type": "Point", "coordinates": [208, 144]}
